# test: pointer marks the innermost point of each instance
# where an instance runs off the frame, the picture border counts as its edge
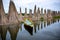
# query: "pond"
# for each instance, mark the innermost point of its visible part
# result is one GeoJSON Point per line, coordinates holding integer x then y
{"type": "Point", "coordinates": [42, 30]}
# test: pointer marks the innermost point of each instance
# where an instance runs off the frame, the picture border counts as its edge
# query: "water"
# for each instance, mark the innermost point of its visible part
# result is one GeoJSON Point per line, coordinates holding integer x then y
{"type": "Point", "coordinates": [42, 30]}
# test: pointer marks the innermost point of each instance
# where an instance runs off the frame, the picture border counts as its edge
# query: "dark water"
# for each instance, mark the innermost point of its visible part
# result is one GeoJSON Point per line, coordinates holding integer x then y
{"type": "Point", "coordinates": [42, 30]}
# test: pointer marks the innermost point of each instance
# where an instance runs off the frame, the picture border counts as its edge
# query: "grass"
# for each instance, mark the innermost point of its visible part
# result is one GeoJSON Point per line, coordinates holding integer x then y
{"type": "Point", "coordinates": [56, 17]}
{"type": "Point", "coordinates": [42, 19]}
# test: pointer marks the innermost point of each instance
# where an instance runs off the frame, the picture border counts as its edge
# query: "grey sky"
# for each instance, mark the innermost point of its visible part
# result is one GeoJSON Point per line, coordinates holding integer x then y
{"type": "Point", "coordinates": [29, 4]}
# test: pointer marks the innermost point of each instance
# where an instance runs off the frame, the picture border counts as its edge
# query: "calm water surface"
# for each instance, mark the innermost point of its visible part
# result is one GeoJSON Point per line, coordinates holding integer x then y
{"type": "Point", "coordinates": [42, 30]}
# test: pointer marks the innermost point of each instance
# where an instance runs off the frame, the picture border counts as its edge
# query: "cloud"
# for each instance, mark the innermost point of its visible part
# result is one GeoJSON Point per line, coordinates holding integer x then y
{"type": "Point", "coordinates": [48, 4]}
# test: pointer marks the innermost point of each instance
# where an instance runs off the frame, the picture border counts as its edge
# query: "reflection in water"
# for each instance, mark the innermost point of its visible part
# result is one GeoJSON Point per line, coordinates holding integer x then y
{"type": "Point", "coordinates": [29, 29]}
{"type": "Point", "coordinates": [3, 31]}
{"type": "Point", "coordinates": [54, 20]}
{"type": "Point", "coordinates": [14, 29]}
{"type": "Point", "coordinates": [48, 23]}
{"type": "Point", "coordinates": [21, 24]}
{"type": "Point", "coordinates": [38, 26]}
{"type": "Point", "coordinates": [8, 37]}
{"type": "Point", "coordinates": [45, 24]}
{"type": "Point", "coordinates": [58, 20]}
{"type": "Point", "coordinates": [35, 28]}
{"type": "Point", "coordinates": [41, 25]}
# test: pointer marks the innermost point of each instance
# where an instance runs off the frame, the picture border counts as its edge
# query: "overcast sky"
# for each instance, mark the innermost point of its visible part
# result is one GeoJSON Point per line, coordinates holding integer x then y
{"type": "Point", "coordinates": [29, 4]}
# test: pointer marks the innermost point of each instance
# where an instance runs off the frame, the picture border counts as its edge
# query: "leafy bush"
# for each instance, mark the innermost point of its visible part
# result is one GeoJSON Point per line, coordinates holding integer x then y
{"type": "Point", "coordinates": [41, 18]}
{"type": "Point", "coordinates": [56, 17]}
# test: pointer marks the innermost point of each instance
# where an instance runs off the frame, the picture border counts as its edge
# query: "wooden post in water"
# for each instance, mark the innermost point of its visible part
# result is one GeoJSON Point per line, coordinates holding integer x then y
{"type": "Point", "coordinates": [53, 13]}
{"type": "Point", "coordinates": [20, 12]}
{"type": "Point", "coordinates": [25, 16]}
{"type": "Point", "coordinates": [56, 13]}
{"type": "Point", "coordinates": [35, 11]}
{"type": "Point", "coordinates": [13, 14]}
{"type": "Point", "coordinates": [34, 15]}
{"type": "Point", "coordinates": [45, 15]}
{"type": "Point", "coordinates": [49, 14]}
{"type": "Point", "coordinates": [3, 18]}
{"type": "Point", "coordinates": [59, 13]}
{"type": "Point", "coordinates": [30, 13]}
{"type": "Point", "coordinates": [38, 14]}
{"type": "Point", "coordinates": [20, 16]}
{"type": "Point", "coordinates": [41, 12]}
